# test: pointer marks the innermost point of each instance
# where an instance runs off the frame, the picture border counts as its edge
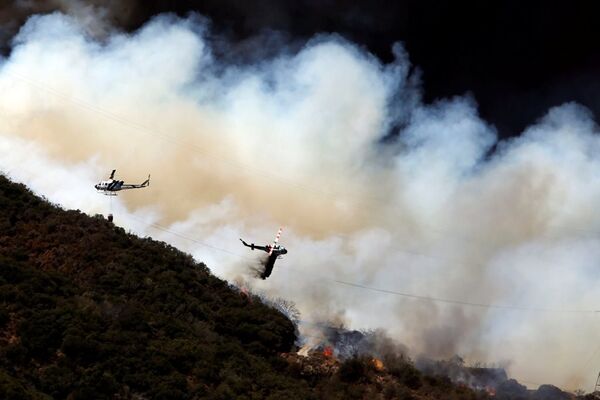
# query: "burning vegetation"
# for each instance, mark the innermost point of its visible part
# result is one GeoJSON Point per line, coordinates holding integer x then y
{"type": "Point", "coordinates": [366, 377]}
{"type": "Point", "coordinates": [369, 360]}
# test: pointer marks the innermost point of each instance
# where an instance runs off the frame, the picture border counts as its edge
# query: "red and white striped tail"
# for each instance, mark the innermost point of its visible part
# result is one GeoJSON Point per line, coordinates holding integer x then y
{"type": "Point", "coordinates": [276, 240]}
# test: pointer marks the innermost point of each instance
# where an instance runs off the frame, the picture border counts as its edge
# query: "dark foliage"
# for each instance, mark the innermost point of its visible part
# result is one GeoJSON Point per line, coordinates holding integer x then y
{"type": "Point", "coordinates": [88, 311]}
{"type": "Point", "coordinates": [354, 369]}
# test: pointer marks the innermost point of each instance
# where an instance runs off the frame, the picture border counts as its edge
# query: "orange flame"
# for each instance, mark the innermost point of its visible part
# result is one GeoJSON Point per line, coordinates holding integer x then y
{"type": "Point", "coordinates": [328, 352]}
{"type": "Point", "coordinates": [378, 364]}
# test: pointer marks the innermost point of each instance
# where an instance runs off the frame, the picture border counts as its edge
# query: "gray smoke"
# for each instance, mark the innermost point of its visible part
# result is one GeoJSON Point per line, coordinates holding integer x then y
{"type": "Point", "coordinates": [302, 141]}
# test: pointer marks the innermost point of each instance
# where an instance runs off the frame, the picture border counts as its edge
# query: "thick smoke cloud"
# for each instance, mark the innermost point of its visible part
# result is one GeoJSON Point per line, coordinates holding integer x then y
{"type": "Point", "coordinates": [301, 140]}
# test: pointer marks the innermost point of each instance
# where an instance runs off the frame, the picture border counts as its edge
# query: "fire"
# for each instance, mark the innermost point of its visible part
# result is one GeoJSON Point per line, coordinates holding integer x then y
{"type": "Point", "coordinates": [328, 351]}
{"type": "Point", "coordinates": [378, 364]}
{"type": "Point", "coordinates": [490, 391]}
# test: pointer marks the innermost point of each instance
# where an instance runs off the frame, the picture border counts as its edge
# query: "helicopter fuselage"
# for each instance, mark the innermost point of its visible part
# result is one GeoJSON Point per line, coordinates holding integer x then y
{"type": "Point", "coordinates": [109, 186]}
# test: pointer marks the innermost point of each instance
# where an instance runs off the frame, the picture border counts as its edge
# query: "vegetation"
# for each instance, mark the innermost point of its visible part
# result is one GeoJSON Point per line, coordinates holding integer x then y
{"type": "Point", "coordinates": [88, 311]}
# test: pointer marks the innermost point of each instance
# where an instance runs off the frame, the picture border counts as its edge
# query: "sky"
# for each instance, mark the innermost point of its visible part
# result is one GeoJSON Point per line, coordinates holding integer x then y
{"type": "Point", "coordinates": [444, 159]}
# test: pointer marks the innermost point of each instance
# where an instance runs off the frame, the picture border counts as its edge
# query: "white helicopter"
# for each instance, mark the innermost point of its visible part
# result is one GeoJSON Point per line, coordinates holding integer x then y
{"type": "Point", "coordinates": [111, 186]}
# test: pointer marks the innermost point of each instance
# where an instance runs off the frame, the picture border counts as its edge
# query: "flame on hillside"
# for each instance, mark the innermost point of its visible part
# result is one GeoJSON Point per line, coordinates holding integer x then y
{"type": "Point", "coordinates": [378, 364]}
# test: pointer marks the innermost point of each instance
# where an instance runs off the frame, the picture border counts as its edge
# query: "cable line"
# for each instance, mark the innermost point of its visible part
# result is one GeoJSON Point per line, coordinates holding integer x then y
{"type": "Point", "coordinates": [164, 229]}
{"type": "Point", "coordinates": [466, 303]}
{"type": "Point", "coordinates": [245, 168]}
{"type": "Point", "coordinates": [387, 291]}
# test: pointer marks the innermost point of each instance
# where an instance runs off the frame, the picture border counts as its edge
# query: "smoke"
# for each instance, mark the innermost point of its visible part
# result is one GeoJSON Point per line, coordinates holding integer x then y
{"type": "Point", "coordinates": [302, 140]}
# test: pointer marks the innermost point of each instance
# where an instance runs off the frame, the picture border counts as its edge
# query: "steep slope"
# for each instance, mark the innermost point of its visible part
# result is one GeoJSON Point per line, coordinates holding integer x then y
{"type": "Point", "coordinates": [88, 311]}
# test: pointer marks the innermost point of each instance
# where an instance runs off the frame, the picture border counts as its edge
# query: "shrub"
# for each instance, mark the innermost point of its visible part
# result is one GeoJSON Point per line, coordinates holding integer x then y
{"type": "Point", "coordinates": [354, 369]}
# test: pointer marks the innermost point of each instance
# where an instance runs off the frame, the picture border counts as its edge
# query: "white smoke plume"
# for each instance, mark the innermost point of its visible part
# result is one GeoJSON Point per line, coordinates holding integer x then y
{"type": "Point", "coordinates": [300, 141]}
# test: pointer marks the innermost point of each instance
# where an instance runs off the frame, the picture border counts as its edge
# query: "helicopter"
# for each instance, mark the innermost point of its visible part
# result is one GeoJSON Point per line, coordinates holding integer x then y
{"type": "Point", "coordinates": [111, 186]}
{"type": "Point", "coordinates": [275, 251]}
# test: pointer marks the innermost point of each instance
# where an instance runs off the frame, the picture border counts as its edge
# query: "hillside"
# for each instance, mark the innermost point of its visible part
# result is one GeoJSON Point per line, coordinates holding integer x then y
{"type": "Point", "coordinates": [88, 311]}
